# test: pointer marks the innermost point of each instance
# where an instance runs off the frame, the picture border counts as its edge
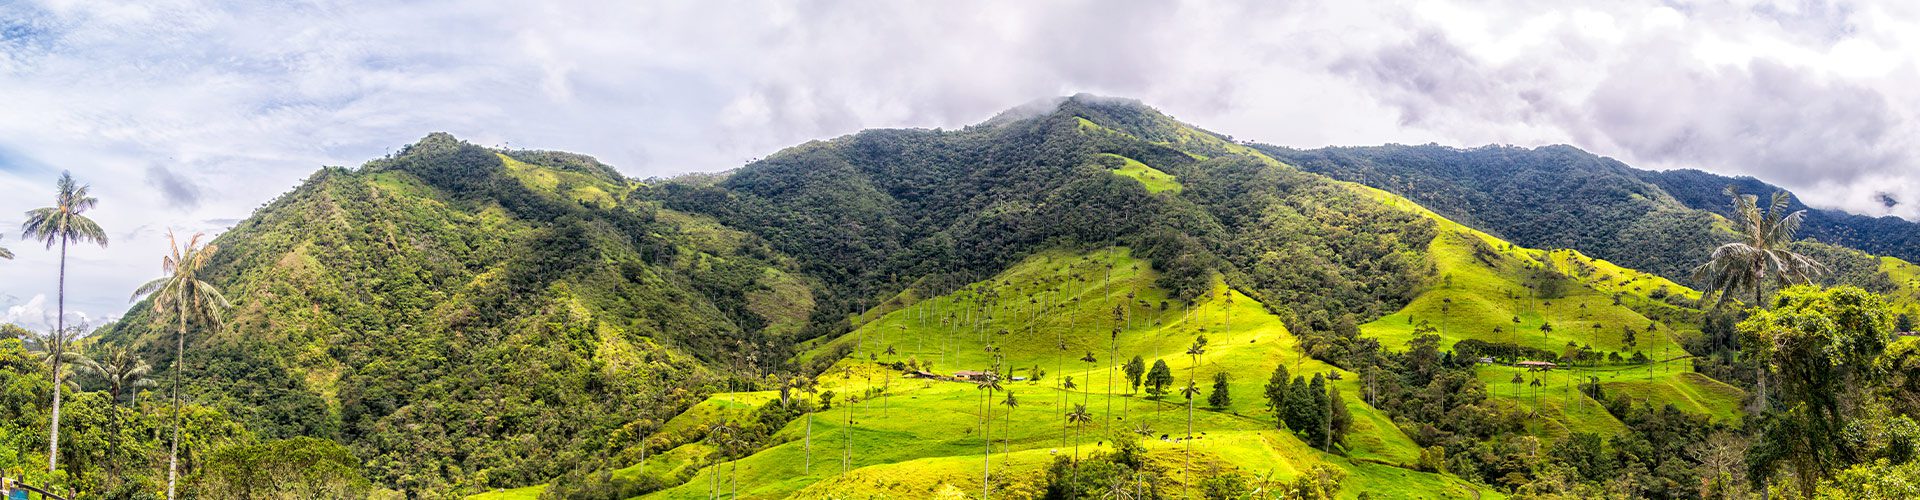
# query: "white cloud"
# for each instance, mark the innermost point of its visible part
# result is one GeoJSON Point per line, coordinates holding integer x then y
{"type": "Point", "coordinates": [190, 113]}
{"type": "Point", "coordinates": [37, 314]}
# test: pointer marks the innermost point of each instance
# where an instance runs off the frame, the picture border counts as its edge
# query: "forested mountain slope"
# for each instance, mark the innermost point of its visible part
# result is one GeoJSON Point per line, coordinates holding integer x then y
{"type": "Point", "coordinates": [1562, 197]}
{"type": "Point", "coordinates": [464, 318]}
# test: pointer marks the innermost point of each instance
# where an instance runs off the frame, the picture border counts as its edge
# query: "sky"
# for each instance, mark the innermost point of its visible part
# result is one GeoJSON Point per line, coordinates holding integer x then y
{"type": "Point", "coordinates": [188, 114]}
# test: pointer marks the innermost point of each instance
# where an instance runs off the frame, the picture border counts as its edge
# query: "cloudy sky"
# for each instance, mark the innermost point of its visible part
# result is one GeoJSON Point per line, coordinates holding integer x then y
{"type": "Point", "coordinates": [189, 114]}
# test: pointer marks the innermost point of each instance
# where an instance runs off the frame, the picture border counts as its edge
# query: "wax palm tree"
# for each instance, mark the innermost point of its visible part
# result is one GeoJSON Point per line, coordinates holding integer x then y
{"type": "Point", "coordinates": [123, 372]}
{"type": "Point", "coordinates": [1012, 403]}
{"type": "Point", "coordinates": [5, 254]}
{"type": "Point", "coordinates": [63, 224]}
{"type": "Point", "coordinates": [1191, 391]}
{"type": "Point", "coordinates": [1090, 361]}
{"type": "Point", "coordinates": [1067, 387]}
{"type": "Point", "coordinates": [1194, 351]}
{"type": "Point", "coordinates": [808, 386]}
{"type": "Point", "coordinates": [988, 382]}
{"type": "Point", "coordinates": [56, 350]}
{"type": "Point", "coordinates": [1078, 418]}
{"type": "Point", "coordinates": [1761, 252]}
{"type": "Point", "coordinates": [182, 298]}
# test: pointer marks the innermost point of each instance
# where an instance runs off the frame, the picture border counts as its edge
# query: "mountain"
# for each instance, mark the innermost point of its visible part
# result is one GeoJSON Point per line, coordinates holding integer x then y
{"type": "Point", "coordinates": [464, 317]}
{"type": "Point", "coordinates": [463, 320]}
{"type": "Point", "coordinates": [1562, 197]}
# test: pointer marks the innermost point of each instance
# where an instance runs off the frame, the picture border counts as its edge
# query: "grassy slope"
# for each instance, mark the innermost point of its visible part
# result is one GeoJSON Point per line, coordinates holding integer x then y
{"type": "Point", "coordinates": [926, 437]}
{"type": "Point", "coordinates": [1906, 276]}
{"type": "Point", "coordinates": [1486, 296]}
{"type": "Point", "coordinates": [1154, 180]}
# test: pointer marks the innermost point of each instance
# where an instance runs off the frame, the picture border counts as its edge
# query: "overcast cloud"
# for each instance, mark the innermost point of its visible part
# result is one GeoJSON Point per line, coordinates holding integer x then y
{"type": "Point", "coordinates": [189, 114]}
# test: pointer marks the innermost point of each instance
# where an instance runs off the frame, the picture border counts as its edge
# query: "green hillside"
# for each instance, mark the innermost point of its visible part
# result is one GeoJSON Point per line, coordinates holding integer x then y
{"type": "Point", "coordinates": [914, 437]}
{"type": "Point", "coordinates": [455, 321]}
{"type": "Point", "coordinates": [462, 317]}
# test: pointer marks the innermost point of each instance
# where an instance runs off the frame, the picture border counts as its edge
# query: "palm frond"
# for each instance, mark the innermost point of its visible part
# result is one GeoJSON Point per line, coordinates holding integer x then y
{"type": "Point", "coordinates": [84, 230]}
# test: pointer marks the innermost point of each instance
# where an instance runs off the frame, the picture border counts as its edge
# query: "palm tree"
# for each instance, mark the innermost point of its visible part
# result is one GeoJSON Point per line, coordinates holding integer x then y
{"type": "Point", "coordinates": [1113, 357]}
{"type": "Point", "coordinates": [886, 384]}
{"type": "Point", "coordinates": [807, 385]}
{"type": "Point", "coordinates": [63, 224]}
{"type": "Point", "coordinates": [123, 372]}
{"type": "Point", "coordinates": [56, 350]}
{"type": "Point", "coordinates": [5, 254]}
{"type": "Point", "coordinates": [185, 299]}
{"type": "Point", "coordinates": [1006, 444]}
{"type": "Point", "coordinates": [1190, 391]}
{"type": "Point", "coordinates": [1760, 253]}
{"type": "Point", "coordinates": [988, 382]}
{"type": "Point", "coordinates": [1078, 418]}
{"type": "Point", "coordinates": [1089, 360]}
{"type": "Point", "coordinates": [1066, 384]}
{"type": "Point", "coordinates": [1194, 351]}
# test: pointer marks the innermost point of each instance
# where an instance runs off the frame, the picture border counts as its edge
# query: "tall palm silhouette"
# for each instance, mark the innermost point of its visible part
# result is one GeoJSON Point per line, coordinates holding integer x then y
{"type": "Point", "coordinates": [1078, 418]}
{"type": "Point", "coordinates": [1761, 252]}
{"type": "Point", "coordinates": [123, 373]}
{"type": "Point", "coordinates": [63, 224]}
{"type": "Point", "coordinates": [184, 299]}
{"type": "Point", "coordinates": [1012, 403]}
{"type": "Point", "coordinates": [1191, 391]}
{"type": "Point", "coordinates": [988, 382]}
{"type": "Point", "coordinates": [56, 349]}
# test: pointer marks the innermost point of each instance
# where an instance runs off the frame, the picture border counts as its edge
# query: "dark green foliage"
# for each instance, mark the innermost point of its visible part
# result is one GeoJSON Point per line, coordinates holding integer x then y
{"type": "Point", "coordinates": [1125, 470]}
{"type": "Point", "coordinates": [1277, 390]}
{"type": "Point", "coordinates": [301, 467]}
{"type": "Point", "coordinates": [1500, 351]}
{"type": "Point", "coordinates": [1159, 378]}
{"type": "Point", "coordinates": [1135, 369]}
{"type": "Point", "coordinates": [1229, 485]}
{"type": "Point", "coordinates": [1219, 398]}
{"type": "Point", "coordinates": [1340, 420]}
{"type": "Point", "coordinates": [1819, 345]}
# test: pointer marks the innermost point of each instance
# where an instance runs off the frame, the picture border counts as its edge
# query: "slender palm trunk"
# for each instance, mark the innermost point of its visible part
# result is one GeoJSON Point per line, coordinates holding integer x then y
{"type": "Point", "coordinates": [1113, 365]}
{"type": "Point", "coordinates": [847, 432]}
{"type": "Point", "coordinates": [987, 461]}
{"type": "Point", "coordinates": [59, 329]}
{"type": "Point", "coordinates": [1187, 472]}
{"type": "Point", "coordinates": [809, 467]}
{"type": "Point", "coordinates": [179, 362]}
{"type": "Point", "coordinates": [1760, 367]}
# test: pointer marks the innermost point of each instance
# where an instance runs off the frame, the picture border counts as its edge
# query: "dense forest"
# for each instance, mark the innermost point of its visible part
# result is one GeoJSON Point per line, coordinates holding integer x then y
{"type": "Point", "coordinates": [455, 320]}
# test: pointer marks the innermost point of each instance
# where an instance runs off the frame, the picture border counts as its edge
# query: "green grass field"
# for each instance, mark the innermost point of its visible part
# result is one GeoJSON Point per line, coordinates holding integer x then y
{"type": "Point", "coordinates": [1906, 276]}
{"type": "Point", "coordinates": [1154, 180]}
{"type": "Point", "coordinates": [1493, 291]}
{"type": "Point", "coordinates": [917, 438]}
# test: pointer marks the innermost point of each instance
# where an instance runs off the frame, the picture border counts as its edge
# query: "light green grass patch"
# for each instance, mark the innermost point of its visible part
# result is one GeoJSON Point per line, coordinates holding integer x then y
{"type": "Point", "coordinates": [1153, 179]}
